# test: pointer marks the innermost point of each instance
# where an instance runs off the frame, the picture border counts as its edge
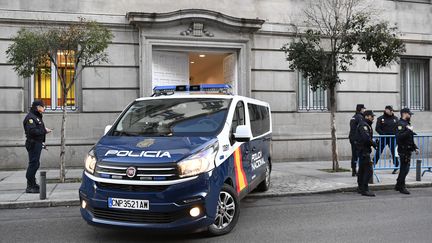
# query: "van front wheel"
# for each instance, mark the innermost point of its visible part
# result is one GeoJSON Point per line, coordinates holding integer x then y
{"type": "Point", "coordinates": [227, 212]}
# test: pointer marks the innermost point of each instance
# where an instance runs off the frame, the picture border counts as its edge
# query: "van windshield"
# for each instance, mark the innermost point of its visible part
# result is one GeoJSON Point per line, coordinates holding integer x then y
{"type": "Point", "coordinates": [174, 117]}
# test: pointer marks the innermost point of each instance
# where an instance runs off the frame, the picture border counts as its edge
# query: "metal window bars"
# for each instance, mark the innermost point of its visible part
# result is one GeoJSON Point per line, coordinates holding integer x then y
{"type": "Point", "coordinates": [46, 86]}
{"type": "Point", "coordinates": [414, 83]}
{"type": "Point", "coordinates": [311, 100]}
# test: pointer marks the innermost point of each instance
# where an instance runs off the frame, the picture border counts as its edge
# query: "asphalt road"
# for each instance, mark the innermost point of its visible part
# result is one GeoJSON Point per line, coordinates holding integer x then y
{"type": "Point", "coordinates": [342, 217]}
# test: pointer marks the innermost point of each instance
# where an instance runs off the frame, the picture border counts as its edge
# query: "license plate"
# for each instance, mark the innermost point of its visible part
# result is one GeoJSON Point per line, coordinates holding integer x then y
{"type": "Point", "coordinates": [128, 203]}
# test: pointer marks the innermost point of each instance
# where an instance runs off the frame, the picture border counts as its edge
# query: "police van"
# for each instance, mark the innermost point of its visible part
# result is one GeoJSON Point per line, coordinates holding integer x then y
{"type": "Point", "coordinates": [179, 160]}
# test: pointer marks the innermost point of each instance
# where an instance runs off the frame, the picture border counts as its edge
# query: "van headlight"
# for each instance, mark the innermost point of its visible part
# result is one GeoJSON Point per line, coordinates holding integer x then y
{"type": "Point", "coordinates": [200, 162]}
{"type": "Point", "coordinates": [90, 162]}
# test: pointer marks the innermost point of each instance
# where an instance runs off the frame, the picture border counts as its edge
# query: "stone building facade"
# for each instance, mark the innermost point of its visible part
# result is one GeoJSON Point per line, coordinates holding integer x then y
{"type": "Point", "coordinates": [187, 42]}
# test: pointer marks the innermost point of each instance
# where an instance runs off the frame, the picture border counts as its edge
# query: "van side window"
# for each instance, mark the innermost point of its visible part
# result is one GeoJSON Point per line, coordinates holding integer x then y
{"type": "Point", "coordinates": [238, 119]}
{"type": "Point", "coordinates": [259, 119]}
{"type": "Point", "coordinates": [265, 119]}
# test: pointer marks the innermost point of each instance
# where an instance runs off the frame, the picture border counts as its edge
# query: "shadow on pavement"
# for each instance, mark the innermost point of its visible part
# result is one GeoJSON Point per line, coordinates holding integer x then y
{"type": "Point", "coordinates": [135, 235]}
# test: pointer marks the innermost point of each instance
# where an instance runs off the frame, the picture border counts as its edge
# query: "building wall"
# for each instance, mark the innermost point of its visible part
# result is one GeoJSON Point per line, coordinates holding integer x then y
{"type": "Point", "coordinates": [106, 89]}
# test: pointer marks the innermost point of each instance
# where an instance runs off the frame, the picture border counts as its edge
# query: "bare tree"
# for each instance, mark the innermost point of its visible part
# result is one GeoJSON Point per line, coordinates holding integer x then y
{"type": "Point", "coordinates": [335, 28]}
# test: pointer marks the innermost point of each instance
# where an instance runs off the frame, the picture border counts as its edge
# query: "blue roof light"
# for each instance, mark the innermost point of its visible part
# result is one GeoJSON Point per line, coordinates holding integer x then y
{"type": "Point", "coordinates": [215, 86]}
{"type": "Point", "coordinates": [166, 87]}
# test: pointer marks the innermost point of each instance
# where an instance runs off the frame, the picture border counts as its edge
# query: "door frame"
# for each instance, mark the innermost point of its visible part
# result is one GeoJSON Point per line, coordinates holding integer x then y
{"type": "Point", "coordinates": [149, 44]}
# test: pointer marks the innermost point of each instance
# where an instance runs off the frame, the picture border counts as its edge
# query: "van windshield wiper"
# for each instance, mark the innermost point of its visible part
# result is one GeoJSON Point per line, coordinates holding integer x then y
{"type": "Point", "coordinates": [168, 134]}
{"type": "Point", "coordinates": [133, 134]}
{"type": "Point", "coordinates": [123, 133]}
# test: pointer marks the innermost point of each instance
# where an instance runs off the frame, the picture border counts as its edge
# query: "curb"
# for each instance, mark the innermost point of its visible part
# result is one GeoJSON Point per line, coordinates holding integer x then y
{"type": "Point", "coordinates": [76, 202]}
{"type": "Point", "coordinates": [40, 204]}
{"type": "Point", "coordinates": [337, 190]}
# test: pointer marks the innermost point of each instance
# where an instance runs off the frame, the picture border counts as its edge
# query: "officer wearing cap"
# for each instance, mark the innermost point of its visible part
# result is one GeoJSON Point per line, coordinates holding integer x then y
{"type": "Point", "coordinates": [386, 125]}
{"type": "Point", "coordinates": [406, 145]}
{"type": "Point", "coordinates": [354, 122]}
{"type": "Point", "coordinates": [35, 132]}
{"type": "Point", "coordinates": [364, 142]}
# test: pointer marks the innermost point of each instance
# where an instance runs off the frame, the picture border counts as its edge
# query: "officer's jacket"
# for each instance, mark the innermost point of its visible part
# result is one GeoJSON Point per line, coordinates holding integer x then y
{"type": "Point", "coordinates": [386, 125]}
{"type": "Point", "coordinates": [354, 122]}
{"type": "Point", "coordinates": [363, 138]}
{"type": "Point", "coordinates": [34, 127]}
{"type": "Point", "coordinates": [405, 137]}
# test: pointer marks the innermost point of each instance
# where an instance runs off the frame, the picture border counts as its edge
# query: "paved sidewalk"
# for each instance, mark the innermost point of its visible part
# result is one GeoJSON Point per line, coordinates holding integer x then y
{"type": "Point", "coordinates": [301, 178]}
{"type": "Point", "coordinates": [13, 184]}
{"type": "Point", "coordinates": [288, 179]}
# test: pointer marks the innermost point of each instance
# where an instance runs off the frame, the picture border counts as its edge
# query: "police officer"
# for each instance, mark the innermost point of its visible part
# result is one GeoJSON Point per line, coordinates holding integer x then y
{"type": "Point", "coordinates": [355, 120]}
{"type": "Point", "coordinates": [364, 142]}
{"type": "Point", "coordinates": [406, 145]}
{"type": "Point", "coordinates": [386, 125]}
{"type": "Point", "coordinates": [35, 131]}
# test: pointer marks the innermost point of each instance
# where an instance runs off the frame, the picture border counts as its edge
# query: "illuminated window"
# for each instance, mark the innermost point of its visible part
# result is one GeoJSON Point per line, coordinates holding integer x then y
{"type": "Point", "coordinates": [47, 84]}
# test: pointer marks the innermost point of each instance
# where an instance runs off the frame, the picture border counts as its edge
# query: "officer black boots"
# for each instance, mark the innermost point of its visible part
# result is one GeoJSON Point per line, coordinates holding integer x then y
{"type": "Point", "coordinates": [32, 188]}
{"type": "Point", "coordinates": [368, 193]}
{"type": "Point", "coordinates": [402, 189]}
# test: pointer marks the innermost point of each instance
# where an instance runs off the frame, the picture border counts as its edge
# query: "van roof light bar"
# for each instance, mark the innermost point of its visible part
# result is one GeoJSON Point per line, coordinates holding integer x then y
{"type": "Point", "coordinates": [203, 88]}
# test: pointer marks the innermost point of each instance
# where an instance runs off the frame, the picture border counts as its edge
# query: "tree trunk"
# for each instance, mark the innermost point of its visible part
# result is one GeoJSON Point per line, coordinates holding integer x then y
{"type": "Point", "coordinates": [63, 131]}
{"type": "Point", "coordinates": [335, 159]}
{"type": "Point", "coordinates": [63, 145]}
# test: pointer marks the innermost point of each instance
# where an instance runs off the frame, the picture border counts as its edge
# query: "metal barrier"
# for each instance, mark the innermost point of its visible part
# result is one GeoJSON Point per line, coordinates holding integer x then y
{"type": "Point", "coordinates": [386, 157]}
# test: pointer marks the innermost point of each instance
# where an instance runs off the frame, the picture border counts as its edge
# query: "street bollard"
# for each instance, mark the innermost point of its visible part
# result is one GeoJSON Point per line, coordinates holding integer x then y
{"type": "Point", "coordinates": [418, 170]}
{"type": "Point", "coordinates": [42, 192]}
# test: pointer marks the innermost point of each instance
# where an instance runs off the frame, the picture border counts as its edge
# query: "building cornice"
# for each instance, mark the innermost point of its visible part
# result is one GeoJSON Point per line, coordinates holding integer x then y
{"type": "Point", "coordinates": [242, 24]}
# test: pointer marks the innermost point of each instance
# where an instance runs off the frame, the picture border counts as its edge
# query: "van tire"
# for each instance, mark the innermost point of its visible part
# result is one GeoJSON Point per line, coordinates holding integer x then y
{"type": "Point", "coordinates": [266, 183]}
{"type": "Point", "coordinates": [227, 197]}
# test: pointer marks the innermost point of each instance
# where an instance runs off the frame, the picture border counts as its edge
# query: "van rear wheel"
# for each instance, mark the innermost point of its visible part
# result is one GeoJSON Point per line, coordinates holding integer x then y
{"type": "Point", "coordinates": [227, 212]}
{"type": "Point", "coordinates": [265, 184]}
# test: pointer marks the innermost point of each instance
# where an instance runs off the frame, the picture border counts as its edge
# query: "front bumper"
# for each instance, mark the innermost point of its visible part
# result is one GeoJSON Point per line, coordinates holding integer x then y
{"type": "Point", "coordinates": [169, 205]}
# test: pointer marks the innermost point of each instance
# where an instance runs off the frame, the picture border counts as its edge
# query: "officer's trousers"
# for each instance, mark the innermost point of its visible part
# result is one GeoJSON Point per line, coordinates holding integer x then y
{"type": "Point", "coordinates": [34, 150]}
{"type": "Point", "coordinates": [365, 171]}
{"type": "Point", "coordinates": [405, 160]}
{"type": "Point", "coordinates": [354, 155]}
{"type": "Point", "coordinates": [383, 142]}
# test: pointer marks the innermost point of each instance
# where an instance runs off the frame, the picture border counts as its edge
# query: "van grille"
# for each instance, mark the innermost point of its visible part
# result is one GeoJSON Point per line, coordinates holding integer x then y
{"type": "Point", "coordinates": [132, 188]}
{"type": "Point", "coordinates": [137, 216]}
{"type": "Point", "coordinates": [143, 172]}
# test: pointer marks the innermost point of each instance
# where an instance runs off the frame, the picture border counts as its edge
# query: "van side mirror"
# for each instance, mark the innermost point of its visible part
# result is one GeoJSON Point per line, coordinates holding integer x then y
{"type": "Point", "coordinates": [243, 133]}
{"type": "Point", "coordinates": [107, 128]}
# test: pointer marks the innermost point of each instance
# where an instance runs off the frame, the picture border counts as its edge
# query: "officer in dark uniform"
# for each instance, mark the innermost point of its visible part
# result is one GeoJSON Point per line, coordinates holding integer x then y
{"type": "Point", "coordinates": [406, 145]}
{"type": "Point", "coordinates": [386, 125]}
{"type": "Point", "coordinates": [364, 142]}
{"type": "Point", "coordinates": [35, 131]}
{"type": "Point", "coordinates": [355, 120]}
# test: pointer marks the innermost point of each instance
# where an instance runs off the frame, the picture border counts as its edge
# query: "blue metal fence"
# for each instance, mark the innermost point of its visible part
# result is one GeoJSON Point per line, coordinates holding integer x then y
{"type": "Point", "coordinates": [386, 157]}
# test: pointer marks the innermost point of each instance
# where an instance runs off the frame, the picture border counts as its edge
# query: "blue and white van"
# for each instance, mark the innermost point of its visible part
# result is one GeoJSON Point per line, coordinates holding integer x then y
{"type": "Point", "coordinates": [179, 160]}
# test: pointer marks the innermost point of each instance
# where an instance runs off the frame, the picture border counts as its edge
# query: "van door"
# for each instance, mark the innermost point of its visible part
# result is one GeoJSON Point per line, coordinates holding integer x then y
{"type": "Point", "coordinates": [242, 153]}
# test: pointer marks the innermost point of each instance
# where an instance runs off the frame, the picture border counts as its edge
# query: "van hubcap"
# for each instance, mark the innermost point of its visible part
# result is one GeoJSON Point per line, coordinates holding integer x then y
{"type": "Point", "coordinates": [267, 175]}
{"type": "Point", "coordinates": [225, 210]}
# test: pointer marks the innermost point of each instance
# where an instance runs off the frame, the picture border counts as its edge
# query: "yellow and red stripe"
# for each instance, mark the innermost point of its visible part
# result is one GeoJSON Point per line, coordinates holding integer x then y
{"type": "Point", "coordinates": [241, 179]}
